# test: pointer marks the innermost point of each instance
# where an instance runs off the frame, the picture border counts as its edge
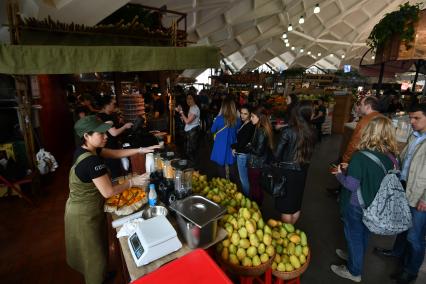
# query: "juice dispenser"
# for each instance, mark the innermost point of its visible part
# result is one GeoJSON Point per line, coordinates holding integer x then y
{"type": "Point", "coordinates": [182, 178]}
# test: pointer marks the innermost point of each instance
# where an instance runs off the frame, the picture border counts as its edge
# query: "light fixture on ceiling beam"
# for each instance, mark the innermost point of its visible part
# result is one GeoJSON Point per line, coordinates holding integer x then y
{"type": "Point", "coordinates": [373, 57]}
{"type": "Point", "coordinates": [284, 35]}
{"type": "Point", "coordinates": [309, 53]}
{"type": "Point", "coordinates": [287, 44]}
{"type": "Point", "coordinates": [301, 20]}
{"type": "Point", "coordinates": [293, 48]}
{"type": "Point", "coordinates": [319, 54]}
{"type": "Point", "coordinates": [317, 9]}
{"type": "Point", "coordinates": [343, 56]}
{"type": "Point", "coordinates": [286, 40]}
{"type": "Point", "coordinates": [290, 28]}
{"type": "Point", "coordinates": [302, 50]}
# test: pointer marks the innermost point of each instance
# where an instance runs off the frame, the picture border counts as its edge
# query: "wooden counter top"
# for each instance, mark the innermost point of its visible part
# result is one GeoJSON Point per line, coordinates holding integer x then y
{"type": "Point", "coordinates": [137, 272]}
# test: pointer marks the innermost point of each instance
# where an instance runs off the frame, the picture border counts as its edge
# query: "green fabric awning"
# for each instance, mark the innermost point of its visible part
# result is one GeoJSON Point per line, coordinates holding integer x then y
{"type": "Point", "coordinates": [54, 59]}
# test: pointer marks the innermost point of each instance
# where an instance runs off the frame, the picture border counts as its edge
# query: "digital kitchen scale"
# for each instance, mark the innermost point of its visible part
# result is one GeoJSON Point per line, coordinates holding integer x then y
{"type": "Point", "coordinates": [153, 238]}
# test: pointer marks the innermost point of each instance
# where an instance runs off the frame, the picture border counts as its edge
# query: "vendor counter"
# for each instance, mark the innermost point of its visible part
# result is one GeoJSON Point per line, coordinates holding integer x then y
{"type": "Point", "coordinates": [132, 272]}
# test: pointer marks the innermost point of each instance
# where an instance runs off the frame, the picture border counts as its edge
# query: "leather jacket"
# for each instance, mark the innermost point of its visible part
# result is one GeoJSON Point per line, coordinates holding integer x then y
{"type": "Point", "coordinates": [286, 147]}
{"type": "Point", "coordinates": [258, 149]}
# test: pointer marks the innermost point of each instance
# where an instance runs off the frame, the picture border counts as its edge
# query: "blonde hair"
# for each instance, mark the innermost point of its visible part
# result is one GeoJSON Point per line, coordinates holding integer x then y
{"type": "Point", "coordinates": [379, 135]}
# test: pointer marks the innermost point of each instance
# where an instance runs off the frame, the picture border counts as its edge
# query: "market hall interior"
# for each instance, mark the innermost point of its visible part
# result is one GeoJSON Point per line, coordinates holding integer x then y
{"type": "Point", "coordinates": [32, 238]}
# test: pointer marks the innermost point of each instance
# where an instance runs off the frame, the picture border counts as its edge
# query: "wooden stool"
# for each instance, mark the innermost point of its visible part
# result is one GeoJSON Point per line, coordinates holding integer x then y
{"type": "Point", "coordinates": [290, 281]}
{"type": "Point", "coordinates": [266, 278]}
{"type": "Point", "coordinates": [14, 185]}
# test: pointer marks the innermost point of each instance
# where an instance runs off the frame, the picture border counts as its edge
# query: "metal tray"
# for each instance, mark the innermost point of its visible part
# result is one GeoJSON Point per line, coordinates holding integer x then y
{"type": "Point", "coordinates": [198, 210]}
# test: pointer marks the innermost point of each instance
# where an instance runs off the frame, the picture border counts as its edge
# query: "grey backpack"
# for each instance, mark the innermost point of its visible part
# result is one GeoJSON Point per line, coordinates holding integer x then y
{"type": "Point", "coordinates": [389, 213]}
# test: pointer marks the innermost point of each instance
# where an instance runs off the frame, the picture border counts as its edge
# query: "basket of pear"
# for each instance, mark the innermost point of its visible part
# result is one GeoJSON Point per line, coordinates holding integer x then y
{"type": "Point", "coordinates": [248, 249]}
{"type": "Point", "coordinates": [292, 251]}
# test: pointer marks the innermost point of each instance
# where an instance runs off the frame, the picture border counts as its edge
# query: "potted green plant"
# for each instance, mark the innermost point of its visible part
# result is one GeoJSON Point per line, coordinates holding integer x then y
{"type": "Point", "coordinates": [399, 23]}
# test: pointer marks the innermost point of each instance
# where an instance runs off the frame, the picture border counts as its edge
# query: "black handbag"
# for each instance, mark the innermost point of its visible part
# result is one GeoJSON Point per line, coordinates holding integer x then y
{"type": "Point", "coordinates": [273, 181]}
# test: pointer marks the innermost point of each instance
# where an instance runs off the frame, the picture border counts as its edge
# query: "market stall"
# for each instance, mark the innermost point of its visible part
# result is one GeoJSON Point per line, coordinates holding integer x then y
{"type": "Point", "coordinates": [245, 245]}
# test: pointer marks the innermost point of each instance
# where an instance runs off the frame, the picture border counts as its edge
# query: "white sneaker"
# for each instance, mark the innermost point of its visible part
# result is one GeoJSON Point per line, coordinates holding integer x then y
{"type": "Point", "coordinates": [342, 254]}
{"type": "Point", "coordinates": [342, 271]}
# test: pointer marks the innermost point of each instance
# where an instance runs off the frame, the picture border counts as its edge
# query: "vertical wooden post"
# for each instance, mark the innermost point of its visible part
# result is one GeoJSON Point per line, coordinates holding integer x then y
{"type": "Point", "coordinates": [379, 84]}
{"type": "Point", "coordinates": [13, 18]}
{"type": "Point", "coordinates": [418, 65]}
{"type": "Point", "coordinates": [23, 96]}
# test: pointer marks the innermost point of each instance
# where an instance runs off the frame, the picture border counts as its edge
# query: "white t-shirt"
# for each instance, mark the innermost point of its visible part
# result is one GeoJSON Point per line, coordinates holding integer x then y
{"type": "Point", "coordinates": [196, 121]}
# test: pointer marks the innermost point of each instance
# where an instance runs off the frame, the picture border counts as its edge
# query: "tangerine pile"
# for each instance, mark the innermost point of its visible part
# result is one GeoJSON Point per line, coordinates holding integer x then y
{"type": "Point", "coordinates": [127, 197]}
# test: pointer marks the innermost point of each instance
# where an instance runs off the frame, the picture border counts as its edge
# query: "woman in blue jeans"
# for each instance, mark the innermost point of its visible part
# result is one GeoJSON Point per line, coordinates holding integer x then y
{"type": "Point", "coordinates": [225, 128]}
{"type": "Point", "coordinates": [240, 150]}
{"type": "Point", "coordinates": [378, 138]}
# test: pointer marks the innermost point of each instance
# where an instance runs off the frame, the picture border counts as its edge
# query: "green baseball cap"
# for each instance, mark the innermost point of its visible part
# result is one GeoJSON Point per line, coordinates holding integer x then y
{"type": "Point", "coordinates": [90, 123]}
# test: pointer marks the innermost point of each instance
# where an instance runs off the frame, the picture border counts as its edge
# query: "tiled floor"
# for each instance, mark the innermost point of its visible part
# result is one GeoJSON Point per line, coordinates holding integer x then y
{"type": "Point", "coordinates": [32, 239]}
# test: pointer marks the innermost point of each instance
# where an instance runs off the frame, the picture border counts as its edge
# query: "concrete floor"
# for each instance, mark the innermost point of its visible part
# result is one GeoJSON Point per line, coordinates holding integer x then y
{"type": "Point", "coordinates": [42, 227]}
{"type": "Point", "coordinates": [320, 219]}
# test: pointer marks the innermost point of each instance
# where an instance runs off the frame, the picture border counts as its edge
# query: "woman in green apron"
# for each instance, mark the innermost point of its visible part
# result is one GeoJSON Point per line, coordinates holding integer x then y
{"type": "Point", "coordinates": [90, 184]}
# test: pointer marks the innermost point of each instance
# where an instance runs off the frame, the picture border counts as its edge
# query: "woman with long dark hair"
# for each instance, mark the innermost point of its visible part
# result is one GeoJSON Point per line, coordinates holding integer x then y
{"type": "Point", "coordinates": [260, 150]}
{"type": "Point", "coordinates": [291, 100]}
{"type": "Point", "coordinates": [240, 150]}
{"type": "Point", "coordinates": [294, 151]}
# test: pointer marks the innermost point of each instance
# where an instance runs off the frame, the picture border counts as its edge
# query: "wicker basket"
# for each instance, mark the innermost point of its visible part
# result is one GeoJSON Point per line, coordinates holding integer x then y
{"type": "Point", "coordinates": [246, 271]}
{"type": "Point", "coordinates": [295, 273]}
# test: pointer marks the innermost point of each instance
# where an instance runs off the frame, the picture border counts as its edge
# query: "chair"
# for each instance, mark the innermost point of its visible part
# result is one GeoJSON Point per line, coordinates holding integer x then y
{"type": "Point", "coordinates": [14, 185]}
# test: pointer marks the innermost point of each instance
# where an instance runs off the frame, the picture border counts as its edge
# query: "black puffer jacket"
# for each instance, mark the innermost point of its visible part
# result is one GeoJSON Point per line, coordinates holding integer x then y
{"type": "Point", "coordinates": [259, 149]}
{"type": "Point", "coordinates": [286, 147]}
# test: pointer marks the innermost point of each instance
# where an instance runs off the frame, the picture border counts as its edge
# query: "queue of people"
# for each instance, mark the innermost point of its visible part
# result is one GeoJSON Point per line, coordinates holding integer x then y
{"type": "Point", "coordinates": [360, 177]}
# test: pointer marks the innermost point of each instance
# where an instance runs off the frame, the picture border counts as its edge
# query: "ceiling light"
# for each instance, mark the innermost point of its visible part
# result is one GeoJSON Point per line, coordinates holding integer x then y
{"type": "Point", "coordinates": [319, 53]}
{"type": "Point", "coordinates": [343, 56]}
{"type": "Point", "coordinates": [309, 52]}
{"type": "Point", "coordinates": [373, 57]}
{"type": "Point", "coordinates": [286, 40]}
{"type": "Point", "coordinates": [317, 9]}
{"type": "Point", "coordinates": [301, 50]}
{"type": "Point", "coordinates": [301, 20]}
{"type": "Point", "coordinates": [331, 54]}
{"type": "Point", "coordinates": [287, 44]}
{"type": "Point", "coordinates": [290, 28]}
{"type": "Point", "coordinates": [284, 35]}
{"type": "Point", "coordinates": [292, 48]}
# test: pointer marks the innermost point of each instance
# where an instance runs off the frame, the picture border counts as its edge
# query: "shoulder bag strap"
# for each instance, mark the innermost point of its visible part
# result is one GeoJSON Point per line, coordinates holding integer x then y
{"type": "Point", "coordinates": [220, 130]}
{"type": "Point", "coordinates": [380, 164]}
{"type": "Point", "coordinates": [376, 160]}
{"type": "Point", "coordinates": [360, 199]}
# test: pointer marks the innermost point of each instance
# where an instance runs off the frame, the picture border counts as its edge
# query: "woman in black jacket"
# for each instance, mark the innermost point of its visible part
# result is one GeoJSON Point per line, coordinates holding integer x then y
{"type": "Point", "coordinates": [260, 149]}
{"type": "Point", "coordinates": [240, 149]}
{"type": "Point", "coordinates": [293, 152]}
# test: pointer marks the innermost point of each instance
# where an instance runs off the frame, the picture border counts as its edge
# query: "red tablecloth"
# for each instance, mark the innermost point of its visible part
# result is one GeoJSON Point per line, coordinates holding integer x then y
{"type": "Point", "coordinates": [195, 267]}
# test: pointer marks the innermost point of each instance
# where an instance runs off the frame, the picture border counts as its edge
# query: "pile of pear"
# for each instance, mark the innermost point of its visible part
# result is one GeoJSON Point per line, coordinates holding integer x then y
{"type": "Point", "coordinates": [250, 242]}
{"type": "Point", "coordinates": [249, 239]}
{"type": "Point", "coordinates": [218, 190]}
{"type": "Point", "coordinates": [291, 246]}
